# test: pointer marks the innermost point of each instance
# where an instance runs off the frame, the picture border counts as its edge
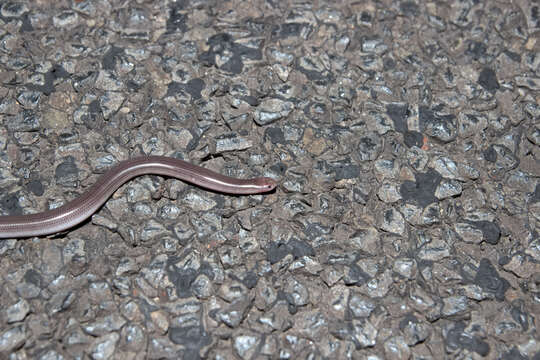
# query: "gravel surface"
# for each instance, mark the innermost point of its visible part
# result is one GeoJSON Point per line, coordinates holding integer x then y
{"type": "Point", "coordinates": [405, 136]}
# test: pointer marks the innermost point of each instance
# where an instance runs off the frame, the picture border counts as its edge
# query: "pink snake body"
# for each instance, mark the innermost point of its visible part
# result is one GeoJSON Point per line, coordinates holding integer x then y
{"type": "Point", "coordinates": [81, 208]}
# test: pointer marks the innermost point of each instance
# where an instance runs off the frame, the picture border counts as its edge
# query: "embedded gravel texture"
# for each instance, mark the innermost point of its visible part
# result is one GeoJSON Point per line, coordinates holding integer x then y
{"type": "Point", "coordinates": [405, 136]}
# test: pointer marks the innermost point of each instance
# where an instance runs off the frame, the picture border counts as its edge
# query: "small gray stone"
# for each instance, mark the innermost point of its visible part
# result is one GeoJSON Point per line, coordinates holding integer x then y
{"type": "Point", "coordinates": [414, 330]}
{"type": "Point", "coordinates": [61, 301]}
{"type": "Point", "coordinates": [133, 335]}
{"type": "Point", "coordinates": [66, 19]}
{"type": "Point", "coordinates": [364, 334]}
{"type": "Point", "coordinates": [406, 267]}
{"type": "Point", "coordinates": [245, 346]}
{"type": "Point", "coordinates": [271, 110]}
{"type": "Point", "coordinates": [471, 124]}
{"type": "Point", "coordinates": [51, 355]}
{"type": "Point", "coordinates": [369, 147]}
{"type": "Point", "coordinates": [202, 287]}
{"type": "Point", "coordinates": [297, 293]}
{"type": "Point", "coordinates": [361, 306]}
{"type": "Point", "coordinates": [311, 324]}
{"type": "Point", "coordinates": [232, 142]}
{"type": "Point", "coordinates": [198, 201]}
{"type": "Point", "coordinates": [436, 249]}
{"type": "Point", "coordinates": [29, 99]}
{"type": "Point", "coordinates": [534, 135]}
{"type": "Point", "coordinates": [99, 291]}
{"type": "Point", "coordinates": [105, 325]}
{"type": "Point", "coordinates": [232, 291]}
{"type": "Point", "coordinates": [454, 305]}
{"type": "Point", "coordinates": [389, 192]}
{"type": "Point", "coordinates": [12, 339]}
{"type": "Point", "coordinates": [13, 9]}
{"type": "Point", "coordinates": [379, 286]}
{"type": "Point", "coordinates": [28, 290]}
{"type": "Point", "coordinates": [392, 221]}
{"type": "Point", "coordinates": [52, 260]}
{"type": "Point", "coordinates": [447, 168]}
{"type": "Point", "coordinates": [127, 265]}
{"type": "Point", "coordinates": [396, 348]}
{"type": "Point", "coordinates": [17, 312]}
{"type": "Point", "coordinates": [233, 314]}
{"type": "Point", "coordinates": [107, 81]}
{"type": "Point", "coordinates": [529, 82]}
{"type": "Point", "coordinates": [448, 189]}
{"type": "Point", "coordinates": [151, 230]}
{"type": "Point", "coordinates": [367, 240]}
{"type": "Point", "coordinates": [417, 159]}
{"type": "Point", "coordinates": [469, 233]}
{"type": "Point", "coordinates": [387, 168]}
{"type": "Point", "coordinates": [110, 103]}
{"type": "Point", "coordinates": [103, 347]}
{"type": "Point", "coordinates": [25, 121]}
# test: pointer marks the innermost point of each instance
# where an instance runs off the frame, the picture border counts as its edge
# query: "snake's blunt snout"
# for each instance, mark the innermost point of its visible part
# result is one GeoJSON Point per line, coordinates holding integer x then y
{"type": "Point", "coordinates": [266, 184]}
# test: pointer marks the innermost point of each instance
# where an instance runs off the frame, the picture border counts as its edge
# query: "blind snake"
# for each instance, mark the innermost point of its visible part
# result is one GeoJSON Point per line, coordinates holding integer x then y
{"type": "Point", "coordinates": [81, 208]}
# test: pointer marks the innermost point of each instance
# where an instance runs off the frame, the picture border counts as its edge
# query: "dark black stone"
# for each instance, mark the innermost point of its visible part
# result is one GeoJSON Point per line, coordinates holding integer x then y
{"type": "Point", "coordinates": [221, 43]}
{"type": "Point", "coordinates": [536, 195]}
{"type": "Point", "coordinates": [345, 170]}
{"type": "Point", "coordinates": [389, 64]}
{"type": "Point", "coordinates": [177, 18]}
{"type": "Point", "coordinates": [251, 279]}
{"type": "Point", "coordinates": [182, 279]}
{"type": "Point", "coordinates": [10, 203]}
{"type": "Point", "coordinates": [489, 280]}
{"type": "Point", "coordinates": [476, 49]}
{"type": "Point", "coordinates": [491, 231]}
{"type": "Point", "coordinates": [422, 191]}
{"type": "Point", "coordinates": [194, 88]}
{"type": "Point", "coordinates": [409, 8]}
{"type": "Point", "coordinates": [318, 77]}
{"type": "Point", "coordinates": [300, 248]}
{"type": "Point", "coordinates": [456, 338]}
{"type": "Point", "coordinates": [47, 88]}
{"type": "Point", "coordinates": [366, 17]}
{"type": "Point", "coordinates": [488, 79]}
{"type": "Point", "coordinates": [279, 168]}
{"type": "Point", "coordinates": [286, 30]}
{"type": "Point", "coordinates": [58, 72]}
{"type": "Point", "coordinates": [276, 252]}
{"type": "Point", "coordinates": [490, 154]}
{"type": "Point", "coordinates": [513, 56]}
{"type": "Point", "coordinates": [109, 59]}
{"type": "Point", "coordinates": [174, 88]}
{"type": "Point", "coordinates": [33, 277]}
{"type": "Point", "coordinates": [398, 113]}
{"type": "Point", "coordinates": [429, 118]}
{"type": "Point", "coordinates": [251, 100]}
{"type": "Point", "coordinates": [207, 269]}
{"type": "Point", "coordinates": [409, 318]}
{"type": "Point", "coordinates": [26, 24]}
{"type": "Point", "coordinates": [36, 187]}
{"type": "Point", "coordinates": [192, 337]}
{"type": "Point", "coordinates": [355, 276]}
{"type": "Point", "coordinates": [66, 171]}
{"type": "Point", "coordinates": [413, 138]}
{"type": "Point", "coordinates": [449, 75]}
{"type": "Point", "coordinates": [275, 135]}
{"type": "Point", "coordinates": [513, 354]}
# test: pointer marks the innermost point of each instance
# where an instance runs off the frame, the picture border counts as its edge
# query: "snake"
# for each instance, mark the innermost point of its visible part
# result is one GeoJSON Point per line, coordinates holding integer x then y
{"type": "Point", "coordinates": [81, 208]}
